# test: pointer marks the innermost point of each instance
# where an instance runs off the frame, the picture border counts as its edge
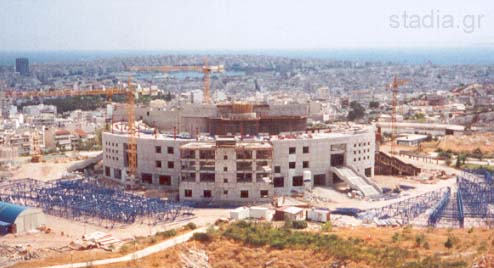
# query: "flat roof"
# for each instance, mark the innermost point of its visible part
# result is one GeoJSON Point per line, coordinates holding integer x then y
{"type": "Point", "coordinates": [412, 137]}
{"type": "Point", "coordinates": [423, 125]}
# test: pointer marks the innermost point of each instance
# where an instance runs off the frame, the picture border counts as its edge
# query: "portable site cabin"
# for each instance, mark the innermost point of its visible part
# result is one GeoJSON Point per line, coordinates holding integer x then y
{"type": "Point", "coordinates": [318, 214]}
{"type": "Point", "coordinates": [289, 213]}
{"type": "Point", "coordinates": [19, 219]}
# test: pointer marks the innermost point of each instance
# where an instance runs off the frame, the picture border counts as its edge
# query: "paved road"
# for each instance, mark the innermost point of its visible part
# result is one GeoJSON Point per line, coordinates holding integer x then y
{"type": "Point", "coordinates": [136, 255]}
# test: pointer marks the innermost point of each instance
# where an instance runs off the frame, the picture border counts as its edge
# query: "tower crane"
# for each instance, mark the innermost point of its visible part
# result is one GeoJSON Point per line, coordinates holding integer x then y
{"type": "Point", "coordinates": [394, 89]}
{"type": "Point", "coordinates": [205, 69]}
{"type": "Point", "coordinates": [129, 91]}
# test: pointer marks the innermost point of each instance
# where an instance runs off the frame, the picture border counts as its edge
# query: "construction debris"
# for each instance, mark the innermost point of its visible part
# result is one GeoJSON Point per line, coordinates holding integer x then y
{"type": "Point", "coordinates": [194, 258]}
{"type": "Point", "coordinates": [95, 240]}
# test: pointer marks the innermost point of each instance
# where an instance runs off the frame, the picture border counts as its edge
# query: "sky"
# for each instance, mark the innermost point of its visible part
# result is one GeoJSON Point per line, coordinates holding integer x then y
{"type": "Point", "coordinates": [243, 24]}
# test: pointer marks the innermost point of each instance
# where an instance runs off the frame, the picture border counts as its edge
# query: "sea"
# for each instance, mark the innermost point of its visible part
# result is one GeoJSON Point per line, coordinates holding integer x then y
{"type": "Point", "coordinates": [442, 56]}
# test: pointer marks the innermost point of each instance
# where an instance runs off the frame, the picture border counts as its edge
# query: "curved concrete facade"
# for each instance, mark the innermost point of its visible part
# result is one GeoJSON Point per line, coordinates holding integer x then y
{"type": "Point", "coordinates": [207, 169]}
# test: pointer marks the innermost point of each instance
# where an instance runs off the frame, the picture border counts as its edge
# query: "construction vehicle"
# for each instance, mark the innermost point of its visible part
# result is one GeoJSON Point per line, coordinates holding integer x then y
{"type": "Point", "coordinates": [205, 69]}
{"type": "Point", "coordinates": [129, 91]}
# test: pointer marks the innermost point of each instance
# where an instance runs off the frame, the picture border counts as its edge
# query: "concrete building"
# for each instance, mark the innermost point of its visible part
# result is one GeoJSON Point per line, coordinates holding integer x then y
{"type": "Point", "coordinates": [232, 168]}
{"type": "Point", "coordinates": [22, 66]}
{"type": "Point", "coordinates": [422, 128]}
{"type": "Point", "coordinates": [411, 139]}
{"type": "Point", "coordinates": [226, 170]}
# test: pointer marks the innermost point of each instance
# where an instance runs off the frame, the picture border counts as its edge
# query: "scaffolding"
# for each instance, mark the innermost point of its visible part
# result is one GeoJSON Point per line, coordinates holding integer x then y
{"type": "Point", "coordinates": [407, 210]}
{"type": "Point", "coordinates": [473, 203]}
{"type": "Point", "coordinates": [85, 200]}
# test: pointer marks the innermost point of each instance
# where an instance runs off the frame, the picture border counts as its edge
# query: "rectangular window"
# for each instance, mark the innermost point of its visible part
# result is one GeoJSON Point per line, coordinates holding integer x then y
{"type": "Point", "coordinates": [107, 171]}
{"type": "Point", "coordinates": [338, 147]}
{"type": "Point", "coordinates": [244, 194]}
{"type": "Point", "coordinates": [305, 149]}
{"type": "Point", "coordinates": [291, 150]}
{"type": "Point", "coordinates": [158, 164]}
{"type": "Point", "coordinates": [225, 192]}
{"type": "Point", "coordinates": [298, 181]}
{"type": "Point", "coordinates": [264, 193]}
{"type": "Point", "coordinates": [170, 150]}
{"type": "Point", "coordinates": [187, 193]}
{"type": "Point", "coordinates": [147, 178]}
{"type": "Point", "coordinates": [206, 177]}
{"type": "Point", "coordinates": [165, 180]}
{"type": "Point", "coordinates": [305, 164]}
{"type": "Point", "coordinates": [117, 173]}
{"type": "Point", "coordinates": [291, 165]}
{"type": "Point", "coordinates": [277, 169]}
{"type": "Point", "coordinates": [157, 149]}
{"type": "Point", "coordinates": [207, 193]}
{"type": "Point", "coordinates": [244, 177]}
{"type": "Point", "coordinates": [279, 182]}
{"type": "Point", "coordinates": [225, 169]}
{"type": "Point", "coordinates": [171, 164]}
{"type": "Point", "coordinates": [337, 160]}
{"type": "Point", "coordinates": [225, 157]}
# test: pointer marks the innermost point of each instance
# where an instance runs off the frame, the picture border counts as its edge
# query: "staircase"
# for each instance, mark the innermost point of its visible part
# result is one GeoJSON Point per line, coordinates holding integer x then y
{"type": "Point", "coordinates": [389, 165]}
{"type": "Point", "coordinates": [356, 181]}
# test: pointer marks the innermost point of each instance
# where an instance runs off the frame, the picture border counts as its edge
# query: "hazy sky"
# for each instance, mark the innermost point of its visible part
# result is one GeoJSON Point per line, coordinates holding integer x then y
{"type": "Point", "coordinates": [241, 24]}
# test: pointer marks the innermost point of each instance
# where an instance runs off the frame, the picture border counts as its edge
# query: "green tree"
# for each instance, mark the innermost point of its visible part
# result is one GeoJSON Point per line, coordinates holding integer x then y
{"type": "Point", "coordinates": [374, 104]}
{"type": "Point", "coordinates": [477, 153]}
{"type": "Point", "coordinates": [356, 112]}
{"type": "Point", "coordinates": [449, 243]}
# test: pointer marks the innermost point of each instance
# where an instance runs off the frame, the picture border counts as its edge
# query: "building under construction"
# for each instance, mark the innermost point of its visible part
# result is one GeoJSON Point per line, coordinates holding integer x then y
{"type": "Point", "coordinates": [252, 119]}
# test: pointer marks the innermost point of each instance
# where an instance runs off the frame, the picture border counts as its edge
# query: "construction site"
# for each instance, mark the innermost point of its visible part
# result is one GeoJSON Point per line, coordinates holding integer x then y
{"type": "Point", "coordinates": [229, 162]}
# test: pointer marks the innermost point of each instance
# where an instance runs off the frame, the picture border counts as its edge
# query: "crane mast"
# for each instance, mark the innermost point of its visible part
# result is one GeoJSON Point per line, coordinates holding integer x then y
{"type": "Point", "coordinates": [394, 103]}
{"type": "Point", "coordinates": [206, 69]}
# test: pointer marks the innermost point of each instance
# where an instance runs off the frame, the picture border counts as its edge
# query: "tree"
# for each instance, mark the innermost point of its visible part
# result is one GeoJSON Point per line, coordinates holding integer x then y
{"type": "Point", "coordinates": [477, 153]}
{"type": "Point", "coordinates": [374, 104]}
{"type": "Point", "coordinates": [356, 112]}
{"type": "Point", "coordinates": [449, 243]}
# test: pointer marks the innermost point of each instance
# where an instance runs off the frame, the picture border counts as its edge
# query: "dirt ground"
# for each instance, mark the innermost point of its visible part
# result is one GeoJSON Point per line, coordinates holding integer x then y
{"type": "Point", "coordinates": [223, 253]}
{"type": "Point", "coordinates": [53, 167]}
{"type": "Point", "coordinates": [464, 143]}
{"type": "Point", "coordinates": [64, 231]}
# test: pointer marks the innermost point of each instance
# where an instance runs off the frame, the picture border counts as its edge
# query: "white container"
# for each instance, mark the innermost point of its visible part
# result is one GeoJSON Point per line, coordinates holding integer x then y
{"type": "Point", "coordinates": [239, 213]}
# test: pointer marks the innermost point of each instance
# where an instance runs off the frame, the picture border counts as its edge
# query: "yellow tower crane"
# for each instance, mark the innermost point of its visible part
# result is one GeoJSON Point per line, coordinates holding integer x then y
{"type": "Point", "coordinates": [394, 103]}
{"type": "Point", "coordinates": [205, 69]}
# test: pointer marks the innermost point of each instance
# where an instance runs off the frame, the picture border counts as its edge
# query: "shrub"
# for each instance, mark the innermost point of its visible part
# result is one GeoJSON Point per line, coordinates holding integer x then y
{"type": "Point", "coordinates": [449, 243]}
{"type": "Point", "coordinates": [419, 240]}
{"type": "Point", "coordinates": [168, 233]}
{"type": "Point", "coordinates": [202, 237]}
{"type": "Point", "coordinates": [124, 249]}
{"type": "Point", "coordinates": [296, 224]}
{"type": "Point", "coordinates": [191, 226]}
{"type": "Point", "coordinates": [395, 237]}
{"type": "Point", "coordinates": [327, 227]}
